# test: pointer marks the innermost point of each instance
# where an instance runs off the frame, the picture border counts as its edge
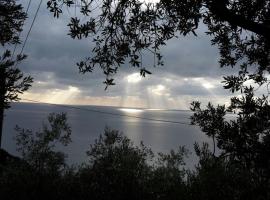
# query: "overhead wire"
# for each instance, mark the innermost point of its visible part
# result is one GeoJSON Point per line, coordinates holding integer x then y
{"type": "Point", "coordinates": [31, 26]}
{"type": "Point", "coordinates": [107, 113]}
{"type": "Point", "coordinates": [80, 108]}
{"type": "Point", "coordinates": [15, 47]}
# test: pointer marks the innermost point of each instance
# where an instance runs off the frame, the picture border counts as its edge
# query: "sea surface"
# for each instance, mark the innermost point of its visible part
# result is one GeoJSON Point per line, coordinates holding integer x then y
{"type": "Point", "coordinates": [161, 130]}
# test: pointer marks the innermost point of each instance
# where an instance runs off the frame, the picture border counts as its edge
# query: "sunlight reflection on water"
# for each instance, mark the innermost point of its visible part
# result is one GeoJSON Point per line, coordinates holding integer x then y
{"type": "Point", "coordinates": [131, 110]}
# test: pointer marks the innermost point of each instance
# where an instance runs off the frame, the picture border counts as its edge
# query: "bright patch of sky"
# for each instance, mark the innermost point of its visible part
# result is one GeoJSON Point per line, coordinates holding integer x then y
{"type": "Point", "coordinates": [191, 70]}
{"type": "Point", "coordinates": [134, 78]}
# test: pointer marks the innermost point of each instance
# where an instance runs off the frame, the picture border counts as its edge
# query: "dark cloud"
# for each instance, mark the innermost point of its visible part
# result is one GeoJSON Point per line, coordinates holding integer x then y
{"type": "Point", "coordinates": [53, 56]}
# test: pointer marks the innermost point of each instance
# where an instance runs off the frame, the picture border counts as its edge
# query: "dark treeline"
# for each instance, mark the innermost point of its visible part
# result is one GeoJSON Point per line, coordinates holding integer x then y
{"type": "Point", "coordinates": [117, 169]}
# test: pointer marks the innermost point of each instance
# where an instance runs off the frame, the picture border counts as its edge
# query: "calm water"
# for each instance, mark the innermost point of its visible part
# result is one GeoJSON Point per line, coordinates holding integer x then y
{"type": "Point", "coordinates": [87, 126]}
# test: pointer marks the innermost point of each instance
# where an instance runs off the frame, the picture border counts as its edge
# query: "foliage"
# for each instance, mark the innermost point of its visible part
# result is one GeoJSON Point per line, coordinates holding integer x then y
{"type": "Point", "coordinates": [117, 169]}
{"type": "Point", "coordinates": [243, 141]}
{"type": "Point", "coordinates": [168, 178]}
{"type": "Point", "coordinates": [11, 21]}
{"type": "Point", "coordinates": [38, 174]}
{"type": "Point", "coordinates": [13, 82]}
{"type": "Point", "coordinates": [38, 148]}
{"type": "Point", "coordinates": [218, 178]}
{"type": "Point", "coordinates": [123, 30]}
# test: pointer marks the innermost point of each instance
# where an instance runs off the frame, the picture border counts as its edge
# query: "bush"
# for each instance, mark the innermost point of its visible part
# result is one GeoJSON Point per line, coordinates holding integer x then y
{"type": "Point", "coordinates": [117, 169]}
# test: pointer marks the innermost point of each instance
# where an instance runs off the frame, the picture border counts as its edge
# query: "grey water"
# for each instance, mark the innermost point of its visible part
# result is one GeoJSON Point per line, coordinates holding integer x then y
{"type": "Point", "coordinates": [160, 135]}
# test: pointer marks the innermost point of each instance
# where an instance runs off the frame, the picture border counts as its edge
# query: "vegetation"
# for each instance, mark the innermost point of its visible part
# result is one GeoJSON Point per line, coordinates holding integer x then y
{"type": "Point", "coordinates": [123, 31]}
{"type": "Point", "coordinates": [12, 80]}
{"type": "Point", "coordinates": [243, 142]}
{"type": "Point", "coordinates": [117, 169]}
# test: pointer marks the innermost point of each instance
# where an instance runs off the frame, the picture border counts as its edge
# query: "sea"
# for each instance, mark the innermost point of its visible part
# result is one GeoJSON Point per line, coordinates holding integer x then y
{"type": "Point", "coordinates": [160, 130]}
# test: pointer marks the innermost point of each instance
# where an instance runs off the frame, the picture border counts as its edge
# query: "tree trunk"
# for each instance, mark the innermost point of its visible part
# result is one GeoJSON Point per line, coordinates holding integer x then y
{"type": "Point", "coordinates": [2, 101]}
{"type": "Point", "coordinates": [1, 123]}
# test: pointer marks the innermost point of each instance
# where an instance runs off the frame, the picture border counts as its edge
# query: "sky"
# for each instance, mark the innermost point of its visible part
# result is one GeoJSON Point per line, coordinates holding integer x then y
{"type": "Point", "coordinates": [190, 72]}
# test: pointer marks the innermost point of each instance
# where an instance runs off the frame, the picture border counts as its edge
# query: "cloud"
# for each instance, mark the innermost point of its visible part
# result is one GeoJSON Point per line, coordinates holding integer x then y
{"type": "Point", "coordinates": [191, 70]}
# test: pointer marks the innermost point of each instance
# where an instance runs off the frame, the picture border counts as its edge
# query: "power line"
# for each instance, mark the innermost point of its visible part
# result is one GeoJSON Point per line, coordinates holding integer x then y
{"type": "Point", "coordinates": [28, 6]}
{"type": "Point", "coordinates": [30, 29]}
{"type": "Point", "coordinates": [108, 113]}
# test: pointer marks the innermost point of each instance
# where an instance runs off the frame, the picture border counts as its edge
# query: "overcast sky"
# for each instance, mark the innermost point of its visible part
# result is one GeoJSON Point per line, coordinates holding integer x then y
{"type": "Point", "coordinates": [191, 70]}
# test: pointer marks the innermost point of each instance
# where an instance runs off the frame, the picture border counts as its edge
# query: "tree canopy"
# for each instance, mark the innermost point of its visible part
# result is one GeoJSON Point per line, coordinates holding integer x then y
{"type": "Point", "coordinates": [11, 22]}
{"type": "Point", "coordinates": [117, 169]}
{"type": "Point", "coordinates": [12, 80]}
{"type": "Point", "coordinates": [122, 31]}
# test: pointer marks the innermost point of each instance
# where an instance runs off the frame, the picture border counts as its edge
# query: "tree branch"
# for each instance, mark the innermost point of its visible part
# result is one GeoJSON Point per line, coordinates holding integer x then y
{"type": "Point", "coordinates": [220, 10]}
